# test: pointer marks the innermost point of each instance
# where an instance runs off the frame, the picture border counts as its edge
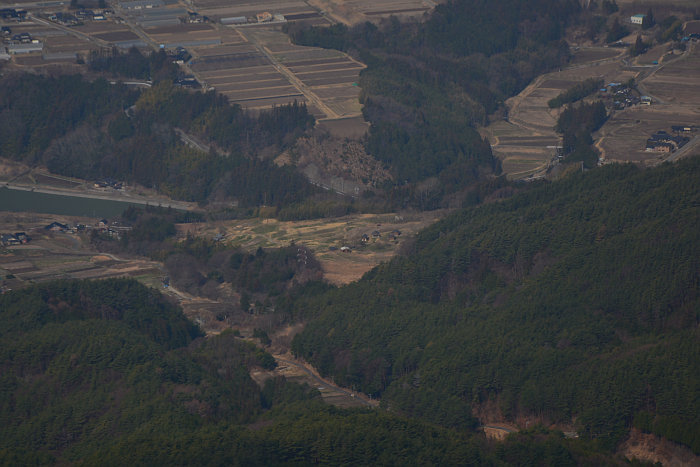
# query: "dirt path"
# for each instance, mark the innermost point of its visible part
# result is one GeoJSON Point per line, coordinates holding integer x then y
{"type": "Point", "coordinates": [323, 384]}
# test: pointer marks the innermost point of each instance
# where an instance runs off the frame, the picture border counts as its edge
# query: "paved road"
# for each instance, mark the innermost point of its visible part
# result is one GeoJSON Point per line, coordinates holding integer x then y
{"type": "Point", "coordinates": [691, 145]}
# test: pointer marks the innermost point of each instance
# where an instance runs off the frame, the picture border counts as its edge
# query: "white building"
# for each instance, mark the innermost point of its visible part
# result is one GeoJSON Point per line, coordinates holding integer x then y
{"type": "Point", "coordinates": [637, 19]}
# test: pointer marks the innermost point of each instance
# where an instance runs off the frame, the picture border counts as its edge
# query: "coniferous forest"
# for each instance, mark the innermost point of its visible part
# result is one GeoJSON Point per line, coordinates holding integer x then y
{"type": "Point", "coordinates": [108, 373]}
{"type": "Point", "coordinates": [578, 300]}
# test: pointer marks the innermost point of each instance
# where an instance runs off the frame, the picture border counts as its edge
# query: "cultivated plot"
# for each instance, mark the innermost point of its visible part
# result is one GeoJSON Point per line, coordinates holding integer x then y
{"type": "Point", "coordinates": [675, 92]}
{"type": "Point", "coordinates": [219, 9]}
{"type": "Point", "coordinates": [357, 11]}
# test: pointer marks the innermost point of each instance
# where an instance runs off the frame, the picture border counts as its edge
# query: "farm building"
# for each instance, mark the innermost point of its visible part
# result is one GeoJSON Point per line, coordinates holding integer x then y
{"type": "Point", "coordinates": [682, 128]}
{"type": "Point", "coordinates": [658, 146]}
{"type": "Point", "coordinates": [14, 49]}
{"type": "Point", "coordinates": [9, 239]}
{"type": "Point", "coordinates": [637, 19]}
{"type": "Point", "coordinates": [141, 4]}
{"type": "Point", "coordinates": [234, 20]}
{"type": "Point", "coordinates": [56, 227]}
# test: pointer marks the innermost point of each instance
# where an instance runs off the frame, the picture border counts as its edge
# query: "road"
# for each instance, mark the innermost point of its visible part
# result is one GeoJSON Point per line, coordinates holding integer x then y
{"type": "Point", "coordinates": [685, 150]}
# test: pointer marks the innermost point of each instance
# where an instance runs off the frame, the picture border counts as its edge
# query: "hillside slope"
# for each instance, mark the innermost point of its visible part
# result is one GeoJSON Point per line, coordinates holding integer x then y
{"type": "Point", "coordinates": [575, 302]}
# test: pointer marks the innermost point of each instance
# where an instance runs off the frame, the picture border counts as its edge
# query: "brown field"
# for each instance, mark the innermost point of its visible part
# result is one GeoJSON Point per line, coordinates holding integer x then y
{"type": "Point", "coordinates": [678, 82]}
{"type": "Point", "coordinates": [192, 33]}
{"type": "Point", "coordinates": [222, 9]}
{"type": "Point", "coordinates": [624, 137]}
{"type": "Point", "coordinates": [675, 90]}
{"type": "Point", "coordinates": [117, 36]}
{"type": "Point", "coordinates": [352, 12]}
{"type": "Point", "coordinates": [522, 142]}
{"type": "Point", "coordinates": [265, 69]}
{"type": "Point", "coordinates": [100, 27]}
{"type": "Point", "coordinates": [320, 235]}
{"type": "Point", "coordinates": [589, 55]}
{"type": "Point", "coordinates": [29, 60]}
{"type": "Point", "coordinates": [54, 255]}
{"type": "Point", "coordinates": [654, 54]}
{"type": "Point", "coordinates": [59, 44]}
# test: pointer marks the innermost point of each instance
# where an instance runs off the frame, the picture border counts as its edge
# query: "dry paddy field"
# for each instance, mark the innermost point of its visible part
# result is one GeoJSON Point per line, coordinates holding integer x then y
{"type": "Point", "coordinates": [56, 255]}
{"type": "Point", "coordinates": [245, 75]}
{"type": "Point", "coordinates": [192, 35]}
{"type": "Point", "coordinates": [675, 88]}
{"type": "Point", "coordinates": [263, 69]}
{"type": "Point", "coordinates": [324, 75]}
{"type": "Point", "coordinates": [67, 44]}
{"type": "Point", "coordinates": [357, 11]}
{"type": "Point", "coordinates": [108, 33]}
{"type": "Point", "coordinates": [225, 9]}
{"type": "Point", "coordinates": [526, 143]}
{"type": "Point", "coordinates": [324, 237]}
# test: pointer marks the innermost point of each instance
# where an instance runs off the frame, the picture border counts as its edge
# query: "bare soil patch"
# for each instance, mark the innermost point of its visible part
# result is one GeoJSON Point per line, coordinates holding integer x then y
{"type": "Point", "coordinates": [650, 448]}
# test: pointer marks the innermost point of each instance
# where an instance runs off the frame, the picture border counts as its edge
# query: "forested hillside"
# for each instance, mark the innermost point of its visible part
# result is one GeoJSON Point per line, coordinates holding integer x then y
{"type": "Point", "coordinates": [110, 373]}
{"type": "Point", "coordinates": [82, 129]}
{"type": "Point", "coordinates": [428, 85]}
{"type": "Point", "coordinates": [575, 302]}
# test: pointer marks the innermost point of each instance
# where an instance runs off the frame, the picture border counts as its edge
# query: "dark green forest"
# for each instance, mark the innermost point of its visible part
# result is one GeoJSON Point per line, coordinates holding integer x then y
{"type": "Point", "coordinates": [157, 66]}
{"type": "Point", "coordinates": [92, 130]}
{"type": "Point", "coordinates": [576, 300]}
{"type": "Point", "coordinates": [576, 124]}
{"type": "Point", "coordinates": [576, 92]}
{"type": "Point", "coordinates": [428, 85]}
{"type": "Point", "coordinates": [110, 373]}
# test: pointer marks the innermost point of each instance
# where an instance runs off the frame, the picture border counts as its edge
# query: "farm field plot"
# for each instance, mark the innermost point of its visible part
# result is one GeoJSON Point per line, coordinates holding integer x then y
{"type": "Point", "coordinates": [223, 9]}
{"type": "Point", "coordinates": [67, 44]}
{"type": "Point", "coordinates": [100, 27]}
{"type": "Point", "coordinates": [676, 94]}
{"type": "Point", "coordinates": [192, 35]}
{"type": "Point", "coordinates": [526, 142]}
{"type": "Point", "coordinates": [110, 33]}
{"type": "Point", "coordinates": [116, 36]}
{"type": "Point", "coordinates": [352, 12]}
{"type": "Point", "coordinates": [678, 82]}
{"type": "Point", "coordinates": [324, 75]}
{"type": "Point", "coordinates": [594, 54]}
{"type": "Point", "coordinates": [55, 255]}
{"type": "Point", "coordinates": [322, 235]}
{"type": "Point", "coordinates": [264, 69]}
{"type": "Point", "coordinates": [245, 76]}
{"type": "Point", "coordinates": [624, 137]}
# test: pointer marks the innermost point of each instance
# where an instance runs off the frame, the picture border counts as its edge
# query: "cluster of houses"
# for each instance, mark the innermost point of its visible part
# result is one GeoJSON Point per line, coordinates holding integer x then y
{"type": "Point", "coordinates": [195, 18]}
{"type": "Point", "coordinates": [619, 96]}
{"type": "Point", "coordinates": [68, 19]}
{"type": "Point", "coordinates": [18, 43]}
{"type": "Point", "coordinates": [263, 17]}
{"type": "Point", "coordinates": [17, 238]}
{"type": "Point", "coordinates": [104, 226]}
{"type": "Point", "coordinates": [365, 239]}
{"type": "Point", "coordinates": [108, 183]}
{"type": "Point", "coordinates": [376, 234]}
{"type": "Point", "coordinates": [11, 14]}
{"type": "Point", "coordinates": [662, 141]}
